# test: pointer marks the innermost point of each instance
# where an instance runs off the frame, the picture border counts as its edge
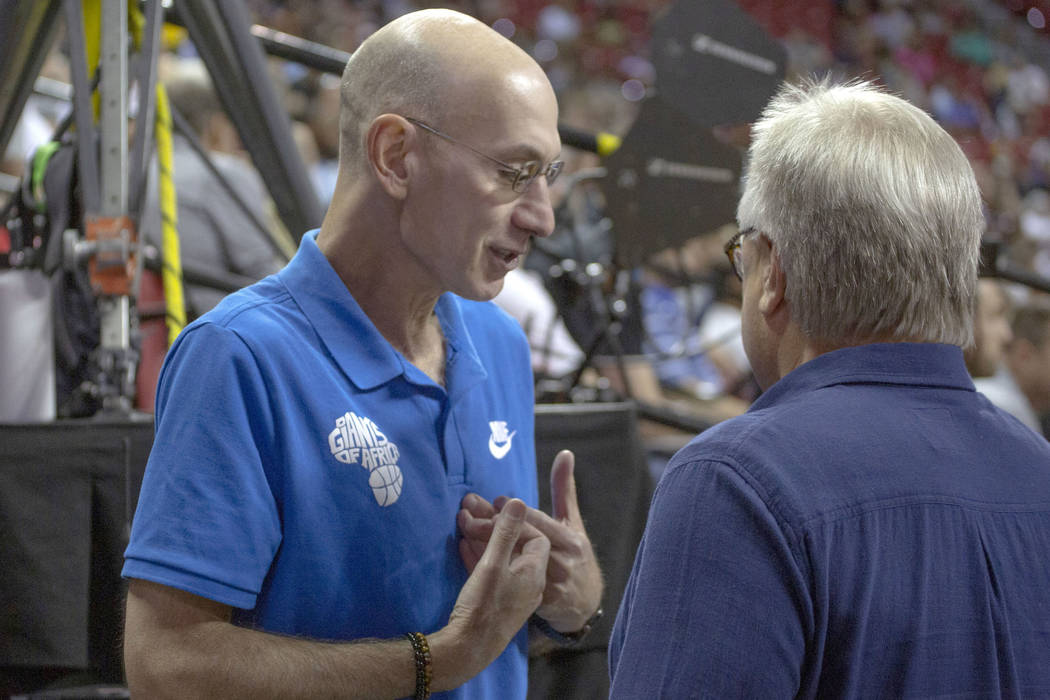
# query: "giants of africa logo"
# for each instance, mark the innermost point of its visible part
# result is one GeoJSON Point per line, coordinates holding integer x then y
{"type": "Point", "coordinates": [357, 440]}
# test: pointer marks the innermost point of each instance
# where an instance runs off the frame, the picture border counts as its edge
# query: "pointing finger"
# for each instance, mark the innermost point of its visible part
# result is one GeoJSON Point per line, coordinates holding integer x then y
{"type": "Point", "coordinates": [563, 488]}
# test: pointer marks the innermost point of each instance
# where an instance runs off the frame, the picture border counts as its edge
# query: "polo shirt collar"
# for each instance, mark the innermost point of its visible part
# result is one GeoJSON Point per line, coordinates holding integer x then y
{"type": "Point", "coordinates": [913, 364]}
{"type": "Point", "coordinates": [359, 349]}
{"type": "Point", "coordinates": [463, 366]}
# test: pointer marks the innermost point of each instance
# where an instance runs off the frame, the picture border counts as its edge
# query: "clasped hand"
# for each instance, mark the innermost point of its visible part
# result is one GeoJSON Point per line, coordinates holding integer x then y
{"type": "Point", "coordinates": [573, 588]}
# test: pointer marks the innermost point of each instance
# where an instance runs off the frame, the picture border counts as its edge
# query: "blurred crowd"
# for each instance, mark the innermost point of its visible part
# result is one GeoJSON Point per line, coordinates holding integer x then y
{"type": "Point", "coordinates": [974, 65]}
{"type": "Point", "coordinates": [978, 66]}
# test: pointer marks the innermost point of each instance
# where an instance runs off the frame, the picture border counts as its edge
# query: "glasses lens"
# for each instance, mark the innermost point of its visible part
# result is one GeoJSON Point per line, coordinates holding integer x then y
{"type": "Point", "coordinates": [554, 170]}
{"type": "Point", "coordinates": [532, 170]}
{"type": "Point", "coordinates": [735, 253]}
{"type": "Point", "coordinates": [526, 174]}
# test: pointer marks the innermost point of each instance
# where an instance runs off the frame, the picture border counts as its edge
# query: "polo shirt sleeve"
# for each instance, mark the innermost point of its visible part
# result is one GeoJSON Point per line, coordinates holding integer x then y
{"type": "Point", "coordinates": [206, 520]}
{"type": "Point", "coordinates": [716, 604]}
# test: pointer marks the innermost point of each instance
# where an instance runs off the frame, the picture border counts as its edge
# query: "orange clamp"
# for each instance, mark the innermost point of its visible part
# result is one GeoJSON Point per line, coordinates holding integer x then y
{"type": "Point", "coordinates": [112, 265]}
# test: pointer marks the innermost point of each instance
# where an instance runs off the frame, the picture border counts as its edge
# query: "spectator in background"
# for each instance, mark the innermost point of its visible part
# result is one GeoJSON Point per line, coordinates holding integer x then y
{"type": "Point", "coordinates": [991, 329]}
{"type": "Point", "coordinates": [554, 352]}
{"type": "Point", "coordinates": [323, 121]}
{"type": "Point", "coordinates": [986, 359]}
{"type": "Point", "coordinates": [1027, 87]}
{"type": "Point", "coordinates": [1022, 385]}
{"type": "Point", "coordinates": [215, 234]}
{"type": "Point", "coordinates": [916, 58]}
{"type": "Point", "coordinates": [692, 335]}
{"type": "Point", "coordinates": [1034, 223]}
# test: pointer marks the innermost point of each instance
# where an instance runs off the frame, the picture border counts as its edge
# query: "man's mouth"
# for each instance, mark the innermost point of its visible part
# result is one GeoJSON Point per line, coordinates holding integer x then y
{"type": "Point", "coordinates": [507, 255]}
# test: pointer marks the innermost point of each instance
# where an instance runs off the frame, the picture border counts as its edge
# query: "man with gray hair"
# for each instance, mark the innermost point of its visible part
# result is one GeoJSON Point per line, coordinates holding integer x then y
{"type": "Point", "coordinates": [872, 526]}
{"type": "Point", "coordinates": [341, 496]}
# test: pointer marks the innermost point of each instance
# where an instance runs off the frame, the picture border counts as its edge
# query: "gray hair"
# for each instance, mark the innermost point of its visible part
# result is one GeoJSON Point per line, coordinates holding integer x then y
{"type": "Point", "coordinates": [874, 213]}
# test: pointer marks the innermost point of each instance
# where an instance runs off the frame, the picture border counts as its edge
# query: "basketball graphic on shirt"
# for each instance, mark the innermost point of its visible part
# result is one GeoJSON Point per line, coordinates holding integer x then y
{"type": "Point", "coordinates": [385, 481]}
{"type": "Point", "coordinates": [358, 440]}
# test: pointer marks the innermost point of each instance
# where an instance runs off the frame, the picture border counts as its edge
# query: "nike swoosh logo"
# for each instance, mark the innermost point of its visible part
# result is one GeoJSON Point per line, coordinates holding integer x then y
{"type": "Point", "coordinates": [500, 451]}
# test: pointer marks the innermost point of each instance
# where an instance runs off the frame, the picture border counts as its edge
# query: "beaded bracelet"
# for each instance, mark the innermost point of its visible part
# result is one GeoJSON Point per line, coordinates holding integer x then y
{"type": "Point", "coordinates": [422, 654]}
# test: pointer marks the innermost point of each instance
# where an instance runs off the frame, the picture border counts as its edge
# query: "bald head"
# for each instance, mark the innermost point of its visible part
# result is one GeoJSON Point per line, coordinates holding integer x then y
{"type": "Point", "coordinates": [421, 65]}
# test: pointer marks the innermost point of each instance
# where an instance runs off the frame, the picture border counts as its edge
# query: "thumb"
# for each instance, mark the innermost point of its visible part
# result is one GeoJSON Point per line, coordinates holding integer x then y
{"type": "Point", "coordinates": [563, 488]}
{"type": "Point", "coordinates": [505, 533]}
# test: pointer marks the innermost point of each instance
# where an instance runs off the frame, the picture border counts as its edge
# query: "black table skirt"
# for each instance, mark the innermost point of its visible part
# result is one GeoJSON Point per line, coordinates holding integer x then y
{"type": "Point", "coordinates": [67, 491]}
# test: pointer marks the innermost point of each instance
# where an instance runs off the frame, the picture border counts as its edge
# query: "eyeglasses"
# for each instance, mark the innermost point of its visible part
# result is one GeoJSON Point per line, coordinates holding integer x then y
{"type": "Point", "coordinates": [735, 254]}
{"type": "Point", "coordinates": [520, 177]}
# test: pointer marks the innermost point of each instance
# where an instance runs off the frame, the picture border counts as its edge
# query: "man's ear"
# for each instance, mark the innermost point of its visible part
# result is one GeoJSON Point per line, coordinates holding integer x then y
{"type": "Point", "coordinates": [774, 286]}
{"type": "Point", "coordinates": [388, 142]}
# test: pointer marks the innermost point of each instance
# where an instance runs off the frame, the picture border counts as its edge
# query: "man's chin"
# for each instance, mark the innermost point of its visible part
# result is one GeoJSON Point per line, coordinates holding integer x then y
{"type": "Point", "coordinates": [484, 292]}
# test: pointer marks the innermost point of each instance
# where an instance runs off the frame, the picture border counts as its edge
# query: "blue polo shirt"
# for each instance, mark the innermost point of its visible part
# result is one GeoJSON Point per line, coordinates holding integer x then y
{"type": "Point", "coordinates": [306, 474]}
{"type": "Point", "coordinates": [871, 527]}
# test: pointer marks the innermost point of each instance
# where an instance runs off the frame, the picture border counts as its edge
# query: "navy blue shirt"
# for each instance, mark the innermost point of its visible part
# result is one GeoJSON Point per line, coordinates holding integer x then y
{"type": "Point", "coordinates": [871, 527]}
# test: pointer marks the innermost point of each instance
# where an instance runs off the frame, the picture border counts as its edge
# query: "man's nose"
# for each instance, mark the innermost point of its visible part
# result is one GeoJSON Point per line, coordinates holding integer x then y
{"type": "Point", "coordinates": [534, 212]}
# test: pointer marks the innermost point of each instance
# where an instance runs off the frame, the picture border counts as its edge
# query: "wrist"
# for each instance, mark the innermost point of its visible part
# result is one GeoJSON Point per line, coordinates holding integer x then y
{"type": "Point", "coordinates": [453, 659]}
{"type": "Point", "coordinates": [424, 667]}
{"type": "Point", "coordinates": [567, 618]}
{"type": "Point", "coordinates": [562, 637]}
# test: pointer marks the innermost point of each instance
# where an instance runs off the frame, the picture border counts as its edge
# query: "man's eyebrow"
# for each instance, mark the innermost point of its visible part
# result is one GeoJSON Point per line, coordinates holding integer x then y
{"type": "Point", "coordinates": [528, 152]}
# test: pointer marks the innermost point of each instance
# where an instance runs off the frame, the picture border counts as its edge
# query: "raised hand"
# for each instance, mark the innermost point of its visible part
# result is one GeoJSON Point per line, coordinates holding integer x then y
{"type": "Point", "coordinates": [574, 583]}
{"type": "Point", "coordinates": [505, 586]}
